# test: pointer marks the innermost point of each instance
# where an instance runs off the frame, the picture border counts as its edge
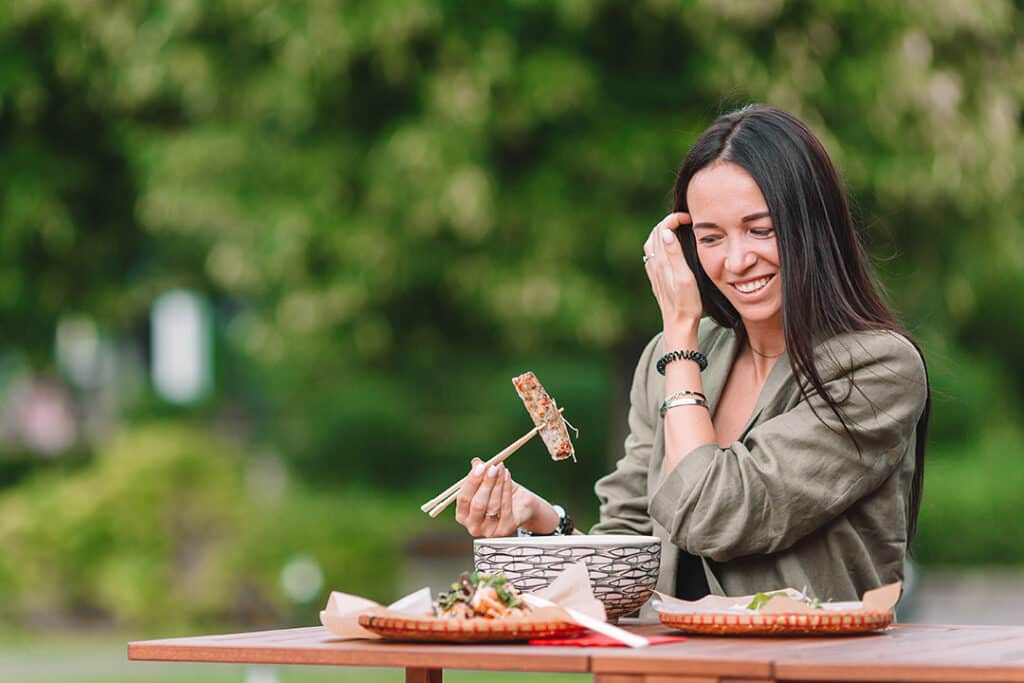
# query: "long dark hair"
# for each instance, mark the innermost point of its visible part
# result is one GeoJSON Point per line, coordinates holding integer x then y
{"type": "Point", "coordinates": [828, 287]}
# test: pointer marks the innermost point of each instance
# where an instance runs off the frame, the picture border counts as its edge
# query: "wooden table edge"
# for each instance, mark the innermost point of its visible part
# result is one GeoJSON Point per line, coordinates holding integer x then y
{"type": "Point", "coordinates": [567, 660]}
{"type": "Point", "coordinates": [614, 663]}
{"type": "Point", "coordinates": [909, 673]}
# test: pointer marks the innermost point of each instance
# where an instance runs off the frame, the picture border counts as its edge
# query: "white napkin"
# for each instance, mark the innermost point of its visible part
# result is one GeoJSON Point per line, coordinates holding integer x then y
{"type": "Point", "coordinates": [571, 590]}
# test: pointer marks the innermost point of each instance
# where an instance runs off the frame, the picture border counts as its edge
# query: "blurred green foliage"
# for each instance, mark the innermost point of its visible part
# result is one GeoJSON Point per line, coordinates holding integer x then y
{"type": "Point", "coordinates": [973, 507]}
{"type": "Point", "coordinates": [398, 206]}
{"type": "Point", "coordinates": [171, 527]}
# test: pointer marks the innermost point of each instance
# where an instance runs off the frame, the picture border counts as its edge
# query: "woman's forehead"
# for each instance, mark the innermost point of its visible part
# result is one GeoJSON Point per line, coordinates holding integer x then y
{"type": "Point", "coordinates": [723, 191]}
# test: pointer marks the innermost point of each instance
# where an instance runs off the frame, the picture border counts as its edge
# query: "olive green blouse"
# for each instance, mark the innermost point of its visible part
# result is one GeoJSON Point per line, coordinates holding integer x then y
{"type": "Point", "coordinates": [792, 502]}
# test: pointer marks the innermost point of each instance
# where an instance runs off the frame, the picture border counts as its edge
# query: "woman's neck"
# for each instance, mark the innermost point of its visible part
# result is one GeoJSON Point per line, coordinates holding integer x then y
{"type": "Point", "coordinates": [767, 343]}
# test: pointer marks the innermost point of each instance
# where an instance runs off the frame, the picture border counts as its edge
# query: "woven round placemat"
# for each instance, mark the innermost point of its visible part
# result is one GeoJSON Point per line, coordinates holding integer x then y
{"type": "Point", "coordinates": [466, 630]}
{"type": "Point", "coordinates": [838, 623]}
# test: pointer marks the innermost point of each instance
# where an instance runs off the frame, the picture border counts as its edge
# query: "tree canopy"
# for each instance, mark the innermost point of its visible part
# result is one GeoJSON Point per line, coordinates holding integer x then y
{"type": "Point", "coordinates": [385, 197]}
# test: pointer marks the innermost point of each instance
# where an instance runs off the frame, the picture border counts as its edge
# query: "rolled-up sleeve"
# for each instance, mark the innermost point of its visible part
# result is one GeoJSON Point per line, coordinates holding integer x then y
{"type": "Point", "coordinates": [797, 471]}
{"type": "Point", "coordinates": [623, 492]}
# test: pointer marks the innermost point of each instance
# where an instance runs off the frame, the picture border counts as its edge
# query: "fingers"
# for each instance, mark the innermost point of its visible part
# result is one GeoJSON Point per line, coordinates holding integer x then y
{"type": "Point", "coordinates": [507, 525]}
{"type": "Point", "coordinates": [663, 236]}
{"type": "Point", "coordinates": [488, 499]}
{"type": "Point", "coordinates": [672, 248]}
{"type": "Point", "coordinates": [468, 490]}
{"type": "Point", "coordinates": [496, 517]}
{"type": "Point", "coordinates": [492, 515]}
{"type": "Point", "coordinates": [658, 248]}
{"type": "Point", "coordinates": [476, 520]}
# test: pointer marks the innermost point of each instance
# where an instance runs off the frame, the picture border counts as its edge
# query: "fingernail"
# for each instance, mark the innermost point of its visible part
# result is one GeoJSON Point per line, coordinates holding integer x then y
{"type": "Point", "coordinates": [667, 236]}
{"type": "Point", "coordinates": [492, 470]}
{"type": "Point", "coordinates": [479, 469]}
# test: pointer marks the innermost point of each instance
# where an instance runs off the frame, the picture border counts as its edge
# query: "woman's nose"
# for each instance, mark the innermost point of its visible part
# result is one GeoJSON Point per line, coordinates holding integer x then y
{"type": "Point", "coordinates": [739, 258]}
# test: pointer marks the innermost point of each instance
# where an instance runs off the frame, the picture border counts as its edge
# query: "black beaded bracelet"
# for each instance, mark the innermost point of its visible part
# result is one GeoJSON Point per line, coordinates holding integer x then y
{"type": "Point", "coordinates": [565, 525]}
{"type": "Point", "coordinates": [696, 356]}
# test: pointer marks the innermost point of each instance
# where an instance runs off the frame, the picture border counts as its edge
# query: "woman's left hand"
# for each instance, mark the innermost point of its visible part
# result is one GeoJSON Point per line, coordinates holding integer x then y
{"type": "Point", "coordinates": [491, 504]}
{"type": "Point", "coordinates": [674, 284]}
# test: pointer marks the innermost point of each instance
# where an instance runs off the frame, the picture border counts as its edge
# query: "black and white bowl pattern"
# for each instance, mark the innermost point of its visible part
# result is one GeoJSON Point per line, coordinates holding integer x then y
{"type": "Point", "coordinates": [623, 569]}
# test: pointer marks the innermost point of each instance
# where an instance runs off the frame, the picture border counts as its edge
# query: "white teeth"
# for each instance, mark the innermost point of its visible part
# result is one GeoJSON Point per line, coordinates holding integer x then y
{"type": "Point", "coordinates": [749, 287]}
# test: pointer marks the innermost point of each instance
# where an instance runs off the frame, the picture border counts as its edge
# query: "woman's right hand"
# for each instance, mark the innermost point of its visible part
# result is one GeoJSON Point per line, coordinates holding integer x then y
{"type": "Point", "coordinates": [491, 504]}
{"type": "Point", "coordinates": [672, 281]}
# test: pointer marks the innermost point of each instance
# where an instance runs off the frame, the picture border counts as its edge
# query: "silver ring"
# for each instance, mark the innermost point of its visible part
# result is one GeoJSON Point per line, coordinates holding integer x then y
{"type": "Point", "coordinates": [494, 515]}
{"type": "Point", "coordinates": [646, 259]}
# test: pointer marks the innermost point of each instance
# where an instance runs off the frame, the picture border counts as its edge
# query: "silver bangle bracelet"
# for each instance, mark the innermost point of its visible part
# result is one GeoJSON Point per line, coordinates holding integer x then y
{"type": "Point", "coordinates": [676, 402]}
{"type": "Point", "coordinates": [686, 392]}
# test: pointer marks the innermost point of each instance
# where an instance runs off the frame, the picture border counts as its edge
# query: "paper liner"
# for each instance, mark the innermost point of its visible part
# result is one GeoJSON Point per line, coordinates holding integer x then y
{"type": "Point", "coordinates": [341, 615]}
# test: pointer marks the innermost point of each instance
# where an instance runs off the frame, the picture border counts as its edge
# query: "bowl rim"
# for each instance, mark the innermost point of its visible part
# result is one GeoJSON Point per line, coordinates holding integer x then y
{"type": "Point", "coordinates": [576, 539]}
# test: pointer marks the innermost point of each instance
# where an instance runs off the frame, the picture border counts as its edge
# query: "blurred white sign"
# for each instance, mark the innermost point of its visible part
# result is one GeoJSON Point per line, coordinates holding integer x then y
{"type": "Point", "coordinates": [182, 354]}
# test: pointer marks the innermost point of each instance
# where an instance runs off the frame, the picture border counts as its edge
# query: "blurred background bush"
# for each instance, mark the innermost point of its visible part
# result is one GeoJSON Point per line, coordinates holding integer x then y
{"type": "Point", "coordinates": [266, 269]}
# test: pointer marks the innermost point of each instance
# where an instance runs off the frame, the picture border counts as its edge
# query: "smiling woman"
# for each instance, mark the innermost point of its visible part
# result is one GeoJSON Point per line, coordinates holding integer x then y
{"type": "Point", "coordinates": [778, 421]}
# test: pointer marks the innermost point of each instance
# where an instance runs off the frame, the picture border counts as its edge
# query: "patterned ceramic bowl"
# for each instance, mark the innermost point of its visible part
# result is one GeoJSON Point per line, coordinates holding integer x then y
{"type": "Point", "coordinates": [623, 569]}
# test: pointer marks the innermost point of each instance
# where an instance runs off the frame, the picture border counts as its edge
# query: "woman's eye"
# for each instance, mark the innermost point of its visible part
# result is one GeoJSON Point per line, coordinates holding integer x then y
{"type": "Point", "coordinates": [763, 232]}
{"type": "Point", "coordinates": [707, 240]}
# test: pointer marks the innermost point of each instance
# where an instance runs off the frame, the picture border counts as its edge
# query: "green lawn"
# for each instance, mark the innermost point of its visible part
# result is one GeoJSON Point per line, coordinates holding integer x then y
{"type": "Point", "coordinates": [104, 659]}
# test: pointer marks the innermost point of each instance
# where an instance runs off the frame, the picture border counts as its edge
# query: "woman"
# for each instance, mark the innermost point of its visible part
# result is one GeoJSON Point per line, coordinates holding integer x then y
{"type": "Point", "coordinates": [796, 458]}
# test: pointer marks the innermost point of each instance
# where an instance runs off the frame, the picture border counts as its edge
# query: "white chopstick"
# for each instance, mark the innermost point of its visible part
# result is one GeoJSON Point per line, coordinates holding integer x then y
{"type": "Point", "coordinates": [602, 627]}
{"type": "Point", "coordinates": [441, 501]}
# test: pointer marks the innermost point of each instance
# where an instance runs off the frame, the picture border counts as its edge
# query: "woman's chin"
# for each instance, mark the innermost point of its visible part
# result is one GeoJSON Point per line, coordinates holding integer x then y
{"type": "Point", "coordinates": [759, 313]}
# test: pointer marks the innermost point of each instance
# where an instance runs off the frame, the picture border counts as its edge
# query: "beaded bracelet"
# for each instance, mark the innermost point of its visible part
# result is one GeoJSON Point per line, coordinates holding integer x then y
{"type": "Point", "coordinates": [565, 525]}
{"type": "Point", "coordinates": [696, 356]}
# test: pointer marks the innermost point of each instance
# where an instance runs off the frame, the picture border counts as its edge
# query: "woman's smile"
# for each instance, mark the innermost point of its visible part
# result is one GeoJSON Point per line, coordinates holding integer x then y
{"type": "Point", "coordinates": [751, 288]}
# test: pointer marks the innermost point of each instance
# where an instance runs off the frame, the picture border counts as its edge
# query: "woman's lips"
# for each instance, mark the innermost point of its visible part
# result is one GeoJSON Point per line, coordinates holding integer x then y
{"type": "Point", "coordinates": [751, 288]}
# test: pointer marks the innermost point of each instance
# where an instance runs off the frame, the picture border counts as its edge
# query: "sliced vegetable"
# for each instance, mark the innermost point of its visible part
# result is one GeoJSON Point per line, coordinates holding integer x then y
{"type": "Point", "coordinates": [480, 595]}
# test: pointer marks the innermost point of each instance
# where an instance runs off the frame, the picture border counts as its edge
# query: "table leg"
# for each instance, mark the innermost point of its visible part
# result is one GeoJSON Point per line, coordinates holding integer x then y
{"type": "Point", "coordinates": [416, 675]}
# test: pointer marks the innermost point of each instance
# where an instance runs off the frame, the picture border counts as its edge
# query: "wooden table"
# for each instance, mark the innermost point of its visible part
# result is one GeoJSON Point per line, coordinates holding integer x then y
{"type": "Point", "coordinates": [908, 652]}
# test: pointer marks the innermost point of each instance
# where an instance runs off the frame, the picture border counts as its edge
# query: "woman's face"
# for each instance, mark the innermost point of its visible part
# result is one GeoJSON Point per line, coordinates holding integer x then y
{"type": "Point", "coordinates": [736, 240]}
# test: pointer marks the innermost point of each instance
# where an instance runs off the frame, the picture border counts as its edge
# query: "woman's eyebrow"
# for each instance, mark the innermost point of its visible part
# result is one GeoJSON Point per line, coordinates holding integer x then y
{"type": "Point", "coordinates": [745, 219]}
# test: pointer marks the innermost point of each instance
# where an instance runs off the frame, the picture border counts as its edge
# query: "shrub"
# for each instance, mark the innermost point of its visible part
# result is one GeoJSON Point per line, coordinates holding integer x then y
{"type": "Point", "coordinates": [160, 530]}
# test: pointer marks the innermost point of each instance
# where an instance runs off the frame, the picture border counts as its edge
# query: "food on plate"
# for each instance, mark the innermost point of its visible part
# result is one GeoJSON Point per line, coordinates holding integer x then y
{"type": "Point", "coordinates": [475, 595]}
{"type": "Point", "coordinates": [761, 599]}
{"type": "Point", "coordinates": [544, 413]}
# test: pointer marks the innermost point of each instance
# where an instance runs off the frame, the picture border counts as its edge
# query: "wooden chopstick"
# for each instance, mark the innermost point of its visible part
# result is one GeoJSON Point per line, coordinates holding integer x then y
{"type": "Point", "coordinates": [445, 498]}
{"type": "Point", "coordinates": [452, 492]}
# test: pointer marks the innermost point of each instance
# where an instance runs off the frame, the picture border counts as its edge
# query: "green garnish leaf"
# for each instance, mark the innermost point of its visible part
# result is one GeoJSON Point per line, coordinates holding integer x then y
{"type": "Point", "coordinates": [761, 599]}
{"type": "Point", "coordinates": [469, 583]}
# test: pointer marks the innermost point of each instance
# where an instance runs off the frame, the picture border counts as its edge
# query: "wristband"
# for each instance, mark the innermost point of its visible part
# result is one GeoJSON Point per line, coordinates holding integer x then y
{"type": "Point", "coordinates": [565, 526]}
